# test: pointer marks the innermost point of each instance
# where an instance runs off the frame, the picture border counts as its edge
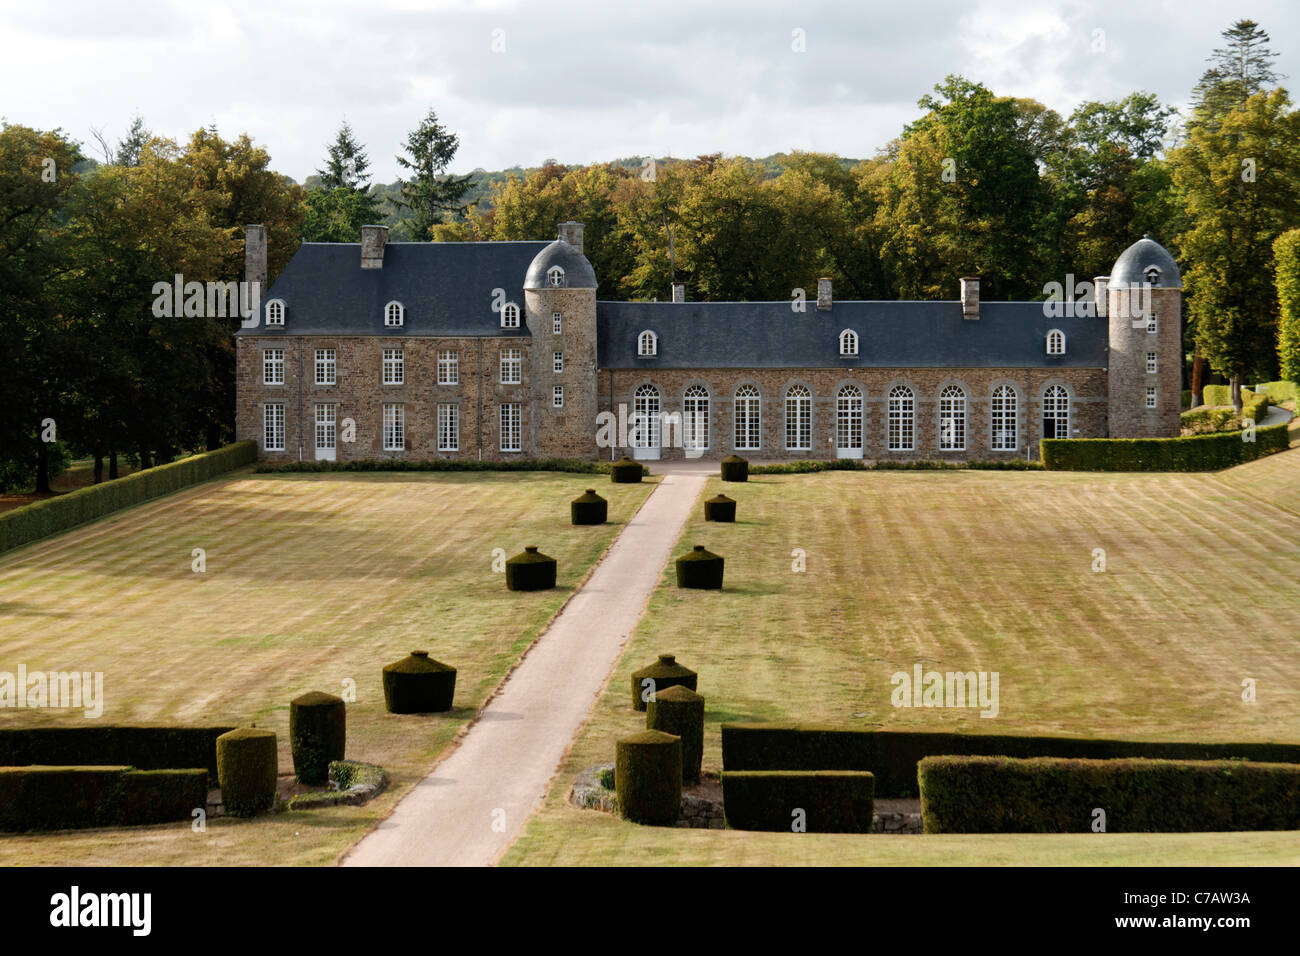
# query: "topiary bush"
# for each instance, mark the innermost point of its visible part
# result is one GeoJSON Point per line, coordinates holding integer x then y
{"type": "Point", "coordinates": [735, 468]}
{"type": "Point", "coordinates": [700, 569]}
{"type": "Point", "coordinates": [147, 748]}
{"type": "Point", "coordinates": [1194, 453]}
{"type": "Point", "coordinates": [661, 675]}
{"type": "Point", "coordinates": [530, 571]}
{"type": "Point", "coordinates": [679, 711]}
{"type": "Point", "coordinates": [159, 796]}
{"type": "Point", "coordinates": [246, 770]}
{"type": "Point", "coordinates": [625, 471]}
{"type": "Point", "coordinates": [648, 777]}
{"type": "Point", "coordinates": [59, 798]}
{"type": "Point", "coordinates": [832, 801]}
{"type": "Point", "coordinates": [720, 508]}
{"type": "Point", "coordinates": [317, 735]}
{"type": "Point", "coordinates": [588, 508]}
{"type": "Point", "coordinates": [417, 684]}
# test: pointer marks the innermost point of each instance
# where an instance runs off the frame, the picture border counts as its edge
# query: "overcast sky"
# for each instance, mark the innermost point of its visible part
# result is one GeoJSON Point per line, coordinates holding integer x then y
{"type": "Point", "coordinates": [583, 82]}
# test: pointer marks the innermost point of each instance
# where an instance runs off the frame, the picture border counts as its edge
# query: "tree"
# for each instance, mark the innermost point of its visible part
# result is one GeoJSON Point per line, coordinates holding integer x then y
{"type": "Point", "coordinates": [430, 192]}
{"type": "Point", "coordinates": [130, 146]}
{"type": "Point", "coordinates": [1240, 69]}
{"type": "Point", "coordinates": [1286, 251]}
{"type": "Point", "coordinates": [346, 165]}
{"type": "Point", "coordinates": [341, 203]}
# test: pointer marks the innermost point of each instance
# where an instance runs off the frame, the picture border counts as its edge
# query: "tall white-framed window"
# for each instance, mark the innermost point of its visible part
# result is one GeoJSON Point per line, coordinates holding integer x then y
{"type": "Point", "coordinates": [555, 277]}
{"type": "Point", "coordinates": [848, 418]}
{"type": "Point", "coordinates": [1056, 412]}
{"type": "Point", "coordinates": [902, 419]}
{"type": "Point", "coordinates": [394, 367]}
{"type": "Point", "coordinates": [275, 312]}
{"type": "Point", "coordinates": [1151, 396]}
{"type": "Point", "coordinates": [273, 427]}
{"type": "Point", "coordinates": [326, 426]}
{"type": "Point", "coordinates": [511, 427]}
{"type": "Point", "coordinates": [848, 342]}
{"type": "Point", "coordinates": [952, 419]}
{"type": "Point", "coordinates": [749, 418]}
{"type": "Point", "coordinates": [798, 418]}
{"type": "Point", "coordinates": [557, 396]}
{"type": "Point", "coordinates": [272, 366]}
{"type": "Point", "coordinates": [394, 427]}
{"type": "Point", "coordinates": [448, 427]}
{"type": "Point", "coordinates": [1056, 342]}
{"type": "Point", "coordinates": [557, 362]}
{"type": "Point", "coordinates": [327, 365]}
{"type": "Point", "coordinates": [695, 418]}
{"type": "Point", "coordinates": [645, 417]}
{"type": "Point", "coordinates": [647, 344]}
{"type": "Point", "coordinates": [557, 323]}
{"type": "Point", "coordinates": [510, 316]}
{"type": "Point", "coordinates": [1153, 322]}
{"type": "Point", "coordinates": [512, 366]}
{"type": "Point", "coordinates": [1002, 419]}
{"type": "Point", "coordinates": [394, 315]}
{"type": "Point", "coordinates": [1152, 363]}
{"type": "Point", "coordinates": [448, 367]}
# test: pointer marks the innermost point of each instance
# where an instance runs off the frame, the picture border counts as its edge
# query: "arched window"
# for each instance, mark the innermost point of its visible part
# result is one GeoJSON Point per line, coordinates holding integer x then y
{"type": "Point", "coordinates": [695, 418]}
{"type": "Point", "coordinates": [848, 342]}
{"type": "Point", "coordinates": [1056, 342]}
{"type": "Point", "coordinates": [798, 418]}
{"type": "Point", "coordinates": [952, 419]}
{"type": "Point", "coordinates": [555, 277]}
{"type": "Point", "coordinates": [1056, 412]}
{"type": "Point", "coordinates": [1002, 419]}
{"type": "Point", "coordinates": [749, 419]}
{"type": "Point", "coordinates": [510, 316]}
{"type": "Point", "coordinates": [394, 314]}
{"type": "Point", "coordinates": [647, 344]}
{"type": "Point", "coordinates": [275, 312]}
{"type": "Point", "coordinates": [1152, 274]}
{"type": "Point", "coordinates": [902, 419]}
{"type": "Point", "coordinates": [848, 422]}
{"type": "Point", "coordinates": [645, 417]}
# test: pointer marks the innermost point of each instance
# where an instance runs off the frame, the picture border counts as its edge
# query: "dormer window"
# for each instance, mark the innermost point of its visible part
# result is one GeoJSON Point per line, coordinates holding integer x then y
{"type": "Point", "coordinates": [848, 342]}
{"type": "Point", "coordinates": [647, 345]}
{"type": "Point", "coordinates": [394, 315]}
{"type": "Point", "coordinates": [1056, 342]}
{"type": "Point", "coordinates": [510, 316]}
{"type": "Point", "coordinates": [1152, 274]}
{"type": "Point", "coordinates": [555, 277]}
{"type": "Point", "coordinates": [275, 312]}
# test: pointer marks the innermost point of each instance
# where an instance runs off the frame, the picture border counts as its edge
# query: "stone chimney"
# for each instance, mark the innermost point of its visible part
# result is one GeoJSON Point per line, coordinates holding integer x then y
{"type": "Point", "coordinates": [824, 294]}
{"type": "Point", "coordinates": [373, 240]}
{"type": "Point", "coordinates": [970, 297]}
{"type": "Point", "coordinates": [571, 232]}
{"type": "Point", "coordinates": [679, 292]}
{"type": "Point", "coordinates": [1101, 296]}
{"type": "Point", "coordinates": [255, 256]}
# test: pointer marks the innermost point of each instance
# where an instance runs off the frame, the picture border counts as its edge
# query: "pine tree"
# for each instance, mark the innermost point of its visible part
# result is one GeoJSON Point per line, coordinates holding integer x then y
{"type": "Point", "coordinates": [346, 165]}
{"type": "Point", "coordinates": [430, 193]}
{"type": "Point", "coordinates": [1240, 70]}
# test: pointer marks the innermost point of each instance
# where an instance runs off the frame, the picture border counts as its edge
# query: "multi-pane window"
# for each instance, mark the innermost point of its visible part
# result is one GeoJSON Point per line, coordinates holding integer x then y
{"type": "Point", "coordinates": [557, 396]}
{"type": "Point", "coordinates": [394, 314]}
{"type": "Point", "coordinates": [272, 366]}
{"type": "Point", "coordinates": [557, 323]}
{"type": "Point", "coordinates": [448, 427]}
{"type": "Point", "coordinates": [695, 418]}
{"type": "Point", "coordinates": [275, 312]}
{"type": "Point", "coordinates": [394, 367]}
{"type": "Point", "coordinates": [952, 419]}
{"type": "Point", "coordinates": [1056, 413]}
{"type": "Point", "coordinates": [1151, 397]}
{"type": "Point", "coordinates": [902, 419]}
{"type": "Point", "coordinates": [1153, 322]}
{"type": "Point", "coordinates": [848, 342]}
{"type": "Point", "coordinates": [273, 427]}
{"type": "Point", "coordinates": [512, 366]}
{"type": "Point", "coordinates": [555, 277]}
{"type": "Point", "coordinates": [647, 345]}
{"type": "Point", "coordinates": [1056, 342]}
{"type": "Point", "coordinates": [848, 418]}
{"type": "Point", "coordinates": [511, 429]}
{"type": "Point", "coordinates": [749, 418]}
{"type": "Point", "coordinates": [448, 367]}
{"type": "Point", "coordinates": [394, 427]}
{"type": "Point", "coordinates": [326, 367]}
{"type": "Point", "coordinates": [798, 418]}
{"type": "Point", "coordinates": [326, 426]}
{"type": "Point", "coordinates": [510, 316]}
{"type": "Point", "coordinates": [557, 362]}
{"type": "Point", "coordinates": [1002, 418]}
{"type": "Point", "coordinates": [645, 417]}
{"type": "Point", "coordinates": [1151, 363]}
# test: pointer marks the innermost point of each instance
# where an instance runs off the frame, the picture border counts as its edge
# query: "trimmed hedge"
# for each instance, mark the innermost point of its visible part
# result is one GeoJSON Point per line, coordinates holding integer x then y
{"type": "Point", "coordinates": [648, 777]}
{"type": "Point", "coordinates": [317, 735]}
{"type": "Point", "coordinates": [700, 569]}
{"type": "Point", "coordinates": [573, 465]}
{"type": "Point", "coordinates": [832, 801]}
{"type": "Point", "coordinates": [1253, 405]}
{"type": "Point", "coordinates": [1050, 795]}
{"type": "Point", "coordinates": [247, 767]}
{"type": "Point", "coordinates": [530, 570]}
{"type": "Point", "coordinates": [159, 796]}
{"type": "Point", "coordinates": [77, 797]}
{"type": "Point", "coordinates": [417, 684]}
{"type": "Point", "coordinates": [720, 508]}
{"type": "Point", "coordinates": [856, 464]}
{"type": "Point", "coordinates": [1193, 453]}
{"type": "Point", "coordinates": [893, 755]}
{"type": "Point", "coordinates": [679, 711]}
{"type": "Point", "coordinates": [44, 518]}
{"type": "Point", "coordinates": [734, 468]}
{"type": "Point", "coordinates": [147, 748]}
{"type": "Point", "coordinates": [664, 673]}
{"type": "Point", "coordinates": [626, 472]}
{"type": "Point", "coordinates": [588, 508]}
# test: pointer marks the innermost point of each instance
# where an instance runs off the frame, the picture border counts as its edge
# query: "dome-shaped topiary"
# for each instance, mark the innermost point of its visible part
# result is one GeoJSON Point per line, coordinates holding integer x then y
{"type": "Point", "coordinates": [680, 711]}
{"type": "Point", "coordinates": [700, 569]}
{"type": "Point", "coordinates": [588, 508]}
{"type": "Point", "coordinates": [246, 770]}
{"type": "Point", "coordinates": [735, 468]}
{"type": "Point", "coordinates": [418, 685]}
{"type": "Point", "coordinates": [648, 777]}
{"type": "Point", "coordinates": [317, 735]}
{"type": "Point", "coordinates": [625, 471]}
{"type": "Point", "coordinates": [530, 571]}
{"type": "Point", "coordinates": [720, 508]}
{"type": "Point", "coordinates": [662, 674]}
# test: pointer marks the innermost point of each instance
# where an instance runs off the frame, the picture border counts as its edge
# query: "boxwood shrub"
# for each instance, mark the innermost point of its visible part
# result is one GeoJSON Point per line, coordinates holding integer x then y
{"type": "Point", "coordinates": [146, 748]}
{"type": "Point", "coordinates": [247, 769]}
{"type": "Point", "coordinates": [1193, 453]}
{"type": "Point", "coordinates": [317, 735]}
{"type": "Point", "coordinates": [159, 796]}
{"type": "Point", "coordinates": [65, 798]}
{"type": "Point", "coordinates": [1052, 795]}
{"type": "Point", "coordinates": [573, 465]}
{"type": "Point", "coordinates": [648, 777]}
{"type": "Point", "coordinates": [832, 801]}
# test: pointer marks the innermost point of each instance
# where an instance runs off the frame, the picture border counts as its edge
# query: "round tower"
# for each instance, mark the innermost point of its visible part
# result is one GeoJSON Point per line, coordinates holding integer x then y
{"type": "Point", "coordinates": [560, 310]}
{"type": "Point", "coordinates": [1144, 366]}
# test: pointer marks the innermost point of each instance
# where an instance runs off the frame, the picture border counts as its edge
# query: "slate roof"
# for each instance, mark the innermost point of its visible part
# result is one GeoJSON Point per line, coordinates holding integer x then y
{"type": "Point", "coordinates": [1130, 267]}
{"type": "Point", "coordinates": [890, 334]}
{"type": "Point", "coordinates": [447, 288]}
{"type": "Point", "coordinates": [578, 273]}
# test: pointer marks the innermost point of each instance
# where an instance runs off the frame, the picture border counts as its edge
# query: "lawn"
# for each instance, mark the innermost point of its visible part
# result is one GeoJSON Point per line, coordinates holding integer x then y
{"type": "Point", "coordinates": [973, 570]}
{"type": "Point", "coordinates": [311, 581]}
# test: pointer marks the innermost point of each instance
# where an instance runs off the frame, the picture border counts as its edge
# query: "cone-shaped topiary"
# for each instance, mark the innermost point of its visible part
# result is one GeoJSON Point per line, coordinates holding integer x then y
{"type": "Point", "coordinates": [680, 711]}
{"type": "Point", "coordinates": [530, 571]}
{"type": "Point", "coordinates": [720, 508]}
{"type": "Point", "coordinates": [418, 685]}
{"type": "Point", "coordinates": [317, 734]}
{"type": "Point", "coordinates": [735, 468]}
{"type": "Point", "coordinates": [648, 777]}
{"type": "Point", "coordinates": [246, 770]}
{"type": "Point", "coordinates": [588, 508]}
{"type": "Point", "coordinates": [664, 673]}
{"type": "Point", "coordinates": [699, 569]}
{"type": "Point", "coordinates": [625, 471]}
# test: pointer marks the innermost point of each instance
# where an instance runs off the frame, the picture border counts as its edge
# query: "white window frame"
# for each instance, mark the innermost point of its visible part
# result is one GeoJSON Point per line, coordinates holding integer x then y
{"type": "Point", "coordinates": [327, 417]}
{"type": "Point", "coordinates": [557, 323]}
{"type": "Point", "coordinates": [327, 365]}
{"type": "Point", "coordinates": [394, 315]}
{"type": "Point", "coordinates": [1057, 399]}
{"type": "Point", "coordinates": [902, 419]}
{"type": "Point", "coordinates": [848, 342]}
{"type": "Point", "coordinates": [1004, 410]}
{"type": "Point", "coordinates": [394, 422]}
{"type": "Point", "coordinates": [512, 366]}
{"type": "Point", "coordinates": [695, 418]}
{"type": "Point", "coordinates": [1152, 397]}
{"type": "Point", "coordinates": [748, 418]}
{"type": "Point", "coordinates": [557, 362]}
{"type": "Point", "coordinates": [509, 316]}
{"type": "Point", "coordinates": [448, 427]}
{"type": "Point", "coordinates": [275, 311]}
{"type": "Point", "coordinates": [1153, 322]}
{"type": "Point", "coordinates": [511, 418]}
{"type": "Point", "coordinates": [849, 409]}
{"type": "Point", "coordinates": [1153, 363]}
{"type": "Point", "coordinates": [798, 418]}
{"type": "Point", "coordinates": [557, 396]}
{"type": "Point", "coordinates": [555, 277]}
{"type": "Point", "coordinates": [393, 366]}
{"type": "Point", "coordinates": [1056, 342]}
{"type": "Point", "coordinates": [273, 429]}
{"type": "Point", "coordinates": [952, 418]}
{"type": "Point", "coordinates": [448, 367]}
{"type": "Point", "coordinates": [273, 366]}
{"type": "Point", "coordinates": [647, 405]}
{"type": "Point", "coordinates": [647, 344]}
